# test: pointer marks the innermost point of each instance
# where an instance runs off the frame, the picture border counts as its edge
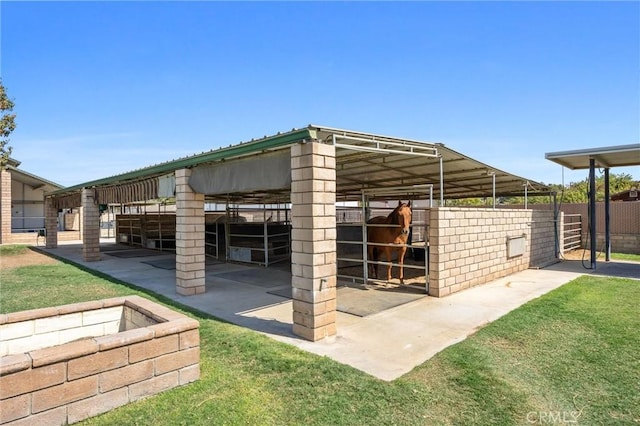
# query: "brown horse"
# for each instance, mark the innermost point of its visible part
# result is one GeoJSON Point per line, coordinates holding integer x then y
{"type": "Point", "coordinates": [396, 233]}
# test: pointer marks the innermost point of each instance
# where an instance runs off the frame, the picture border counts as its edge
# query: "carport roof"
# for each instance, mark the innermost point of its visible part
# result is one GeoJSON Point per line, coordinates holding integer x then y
{"type": "Point", "coordinates": [607, 157]}
{"type": "Point", "coordinates": [363, 161]}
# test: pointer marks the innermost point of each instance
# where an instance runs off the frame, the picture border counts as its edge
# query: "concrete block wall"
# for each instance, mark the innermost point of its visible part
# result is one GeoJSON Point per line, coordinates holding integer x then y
{"type": "Point", "coordinates": [620, 243]}
{"type": "Point", "coordinates": [5, 206]}
{"type": "Point", "coordinates": [47, 327]}
{"type": "Point", "coordinates": [468, 246]}
{"type": "Point", "coordinates": [543, 238]}
{"type": "Point", "coordinates": [190, 237]}
{"type": "Point", "coordinates": [80, 379]}
{"type": "Point", "coordinates": [90, 226]}
{"type": "Point", "coordinates": [313, 240]}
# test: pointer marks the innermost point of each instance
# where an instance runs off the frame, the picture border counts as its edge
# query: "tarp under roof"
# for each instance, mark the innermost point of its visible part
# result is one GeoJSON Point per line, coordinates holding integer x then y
{"type": "Point", "coordinates": [605, 157]}
{"type": "Point", "coordinates": [363, 161]}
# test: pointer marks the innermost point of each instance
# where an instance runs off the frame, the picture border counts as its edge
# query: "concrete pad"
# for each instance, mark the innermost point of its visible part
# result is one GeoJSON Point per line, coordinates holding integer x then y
{"type": "Point", "coordinates": [386, 345]}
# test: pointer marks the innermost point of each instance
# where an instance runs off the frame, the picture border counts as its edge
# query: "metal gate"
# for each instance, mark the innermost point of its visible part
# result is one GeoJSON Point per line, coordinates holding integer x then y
{"type": "Point", "coordinates": [572, 232]}
{"type": "Point", "coordinates": [351, 226]}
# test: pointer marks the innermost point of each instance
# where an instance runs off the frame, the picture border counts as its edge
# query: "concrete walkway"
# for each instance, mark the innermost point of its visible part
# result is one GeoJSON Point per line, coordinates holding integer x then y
{"type": "Point", "coordinates": [386, 345]}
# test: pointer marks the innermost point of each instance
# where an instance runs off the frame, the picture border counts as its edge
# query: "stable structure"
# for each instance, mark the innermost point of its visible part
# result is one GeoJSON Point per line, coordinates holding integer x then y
{"type": "Point", "coordinates": [606, 158]}
{"type": "Point", "coordinates": [311, 170]}
{"type": "Point", "coordinates": [22, 213]}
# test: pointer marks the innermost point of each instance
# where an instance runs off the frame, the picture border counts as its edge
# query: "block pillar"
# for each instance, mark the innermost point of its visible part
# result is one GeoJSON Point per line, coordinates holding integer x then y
{"type": "Point", "coordinates": [5, 206]}
{"type": "Point", "coordinates": [439, 257]}
{"type": "Point", "coordinates": [90, 227]}
{"type": "Point", "coordinates": [190, 258]}
{"type": "Point", "coordinates": [313, 240]}
{"type": "Point", "coordinates": [51, 223]}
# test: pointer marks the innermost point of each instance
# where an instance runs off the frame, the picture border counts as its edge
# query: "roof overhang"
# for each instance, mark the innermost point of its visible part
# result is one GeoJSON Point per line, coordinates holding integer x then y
{"type": "Point", "coordinates": [605, 157]}
{"type": "Point", "coordinates": [32, 180]}
{"type": "Point", "coordinates": [253, 147]}
{"type": "Point", "coordinates": [368, 161]}
{"type": "Point", "coordinates": [364, 161]}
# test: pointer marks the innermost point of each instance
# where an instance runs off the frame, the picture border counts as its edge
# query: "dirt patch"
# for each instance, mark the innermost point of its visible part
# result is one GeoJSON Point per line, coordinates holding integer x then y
{"type": "Point", "coordinates": [28, 258]}
{"type": "Point", "coordinates": [578, 254]}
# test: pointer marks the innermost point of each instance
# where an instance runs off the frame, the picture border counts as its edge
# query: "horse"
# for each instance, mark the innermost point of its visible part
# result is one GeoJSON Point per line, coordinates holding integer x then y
{"type": "Point", "coordinates": [396, 233]}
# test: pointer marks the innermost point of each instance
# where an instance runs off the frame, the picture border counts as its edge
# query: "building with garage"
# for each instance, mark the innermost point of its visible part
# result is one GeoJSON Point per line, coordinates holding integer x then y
{"type": "Point", "coordinates": [303, 197]}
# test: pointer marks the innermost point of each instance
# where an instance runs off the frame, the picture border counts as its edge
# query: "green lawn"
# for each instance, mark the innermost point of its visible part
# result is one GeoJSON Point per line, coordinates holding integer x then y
{"type": "Point", "coordinates": [571, 354]}
{"type": "Point", "coordinates": [625, 256]}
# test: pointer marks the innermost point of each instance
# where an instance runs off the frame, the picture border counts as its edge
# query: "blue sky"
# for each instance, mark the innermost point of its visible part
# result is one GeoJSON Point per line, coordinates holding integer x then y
{"type": "Point", "coordinates": [102, 88]}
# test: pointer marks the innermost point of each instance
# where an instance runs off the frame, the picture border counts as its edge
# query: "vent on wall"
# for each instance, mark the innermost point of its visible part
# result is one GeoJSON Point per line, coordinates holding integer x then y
{"type": "Point", "coordinates": [516, 246]}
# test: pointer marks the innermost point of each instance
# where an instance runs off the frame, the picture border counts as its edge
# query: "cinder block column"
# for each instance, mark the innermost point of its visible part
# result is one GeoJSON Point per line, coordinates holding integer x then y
{"type": "Point", "coordinates": [90, 227]}
{"type": "Point", "coordinates": [438, 255]}
{"type": "Point", "coordinates": [5, 206]}
{"type": "Point", "coordinates": [190, 259]}
{"type": "Point", "coordinates": [51, 223]}
{"type": "Point", "coordinates": [313, 240]}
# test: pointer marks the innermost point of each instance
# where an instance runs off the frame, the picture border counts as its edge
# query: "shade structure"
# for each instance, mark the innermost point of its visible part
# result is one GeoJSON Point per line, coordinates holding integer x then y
{"type": "Point", "coordinates": [590, 158]}
{"type": "Point", "coordinates": [364, 161]}
{"type": "Point", "coordinates": [605, 157]}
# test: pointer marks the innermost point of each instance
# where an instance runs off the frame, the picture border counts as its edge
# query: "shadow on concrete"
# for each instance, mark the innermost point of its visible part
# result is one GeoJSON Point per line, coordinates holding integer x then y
{"type": "Point", "coordinates": [619, 269]}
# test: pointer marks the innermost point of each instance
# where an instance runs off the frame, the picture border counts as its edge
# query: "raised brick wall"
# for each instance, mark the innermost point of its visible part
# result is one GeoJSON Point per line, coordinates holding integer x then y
{"type": "Point", "coordinates": [313, 240]}
{"type": "Point", "coordinates": [468, 246]}
{"type": "Point", "coordinates": [83, 378]}
{"type": "Point", "coordinates": [31, 238]}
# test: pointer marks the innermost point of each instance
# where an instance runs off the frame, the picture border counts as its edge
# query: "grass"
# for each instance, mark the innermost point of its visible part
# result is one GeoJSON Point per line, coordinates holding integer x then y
{"type": "Point", "coordinates": [626, 256]}
{"type": "Point", "coordinates": [13, 249]}
{"type": "Point", "coordinates": [570, 353]}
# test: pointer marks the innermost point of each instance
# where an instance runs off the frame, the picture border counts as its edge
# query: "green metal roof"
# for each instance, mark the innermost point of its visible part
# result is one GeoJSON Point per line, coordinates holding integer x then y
{"type": "Point", "coordinates": [242, 149]}
{"type": "Point", "coordinates": [363, 160]}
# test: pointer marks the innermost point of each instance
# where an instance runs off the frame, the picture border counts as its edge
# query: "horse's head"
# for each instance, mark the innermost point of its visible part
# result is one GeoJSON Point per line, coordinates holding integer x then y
{"type": "Point", "coordinates": [403, 214]}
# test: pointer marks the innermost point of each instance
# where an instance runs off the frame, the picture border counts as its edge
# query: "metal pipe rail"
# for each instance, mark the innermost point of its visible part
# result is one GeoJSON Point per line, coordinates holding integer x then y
{"type": "Point", "coordinates": [365, 262]}
{"type": "Point", "coordinates": [268, 248]}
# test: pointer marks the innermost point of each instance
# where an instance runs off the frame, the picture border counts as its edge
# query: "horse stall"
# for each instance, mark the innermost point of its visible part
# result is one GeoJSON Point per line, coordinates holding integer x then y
{"type": "Point", "coordinates": [155, 231]}
{"type": "Point", "coordinates": [356, 248]}
{"type": "Point", "coordinates": [258, 235]}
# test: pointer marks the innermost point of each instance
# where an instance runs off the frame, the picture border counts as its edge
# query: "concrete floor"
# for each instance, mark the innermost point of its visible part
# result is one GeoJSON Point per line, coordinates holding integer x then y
{"type": "Point", "coordinates": [386, 345]}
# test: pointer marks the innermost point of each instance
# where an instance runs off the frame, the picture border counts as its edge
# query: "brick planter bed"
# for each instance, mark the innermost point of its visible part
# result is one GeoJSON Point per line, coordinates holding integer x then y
{"type": "Point", "coordinates": [64, 364]}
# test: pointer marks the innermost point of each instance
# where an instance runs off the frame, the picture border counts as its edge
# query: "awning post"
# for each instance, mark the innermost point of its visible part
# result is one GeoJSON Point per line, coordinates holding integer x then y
{"type": "Point", "coordinates": [592, 210]}
{"type": "Point", "coordinates": [607, 218]}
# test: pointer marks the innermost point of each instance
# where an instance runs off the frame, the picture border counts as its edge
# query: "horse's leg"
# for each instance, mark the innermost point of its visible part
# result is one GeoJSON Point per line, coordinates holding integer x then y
{"type": "Point", "coordinates": [371, 255]}
{"type": "Point", "coordinates": [401, 252]}
{"type": "Point", "coordinates": [387, 250]}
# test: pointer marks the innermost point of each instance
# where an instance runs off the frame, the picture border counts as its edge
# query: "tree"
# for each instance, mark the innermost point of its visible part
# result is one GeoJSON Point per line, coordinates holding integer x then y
{"type": "Point", "coordinates": [7, 125]}
{"type": "Point", "coordinates": [578, 192]}
{"type": "Point", "coordinates": [575, 192]}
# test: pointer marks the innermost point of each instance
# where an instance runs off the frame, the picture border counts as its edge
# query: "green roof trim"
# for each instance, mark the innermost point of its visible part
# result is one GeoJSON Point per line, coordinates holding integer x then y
{"type": "Point", "coordinates": [232, 151]}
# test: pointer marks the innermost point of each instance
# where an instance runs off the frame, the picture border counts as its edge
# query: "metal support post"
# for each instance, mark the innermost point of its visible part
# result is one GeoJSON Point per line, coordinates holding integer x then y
{"type": "Point", "coordinates": [607, 218]}
{"type": "Point", "coordinates": [592, 210]}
